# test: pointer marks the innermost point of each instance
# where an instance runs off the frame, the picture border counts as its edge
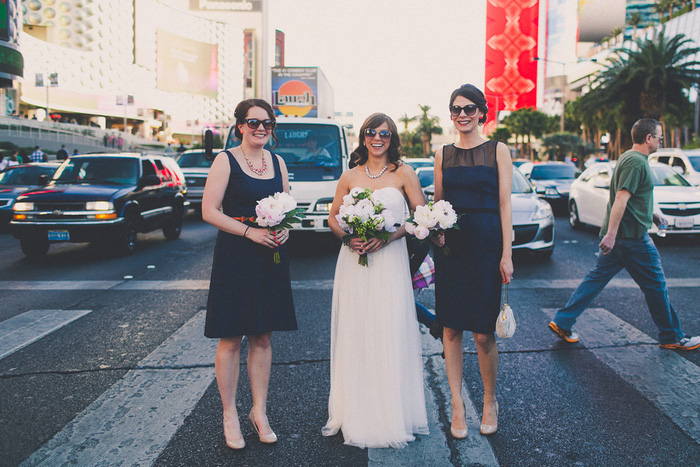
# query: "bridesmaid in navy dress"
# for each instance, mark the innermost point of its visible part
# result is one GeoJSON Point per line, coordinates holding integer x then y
{"type": "Point", "coordinates": [475, 175]}
{"type": "Point", "coordinates": [249, 295]}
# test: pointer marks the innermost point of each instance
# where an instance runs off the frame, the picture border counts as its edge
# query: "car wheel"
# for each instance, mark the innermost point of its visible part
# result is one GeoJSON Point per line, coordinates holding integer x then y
{"type": "Point", "coordinates": [34, 248]}
{"type": "Point", "coordinates": [173, 227]}
{"type": "Point", "coordinates": [574, 220]}
{"type": "Point", "coordinates": [126, 244]}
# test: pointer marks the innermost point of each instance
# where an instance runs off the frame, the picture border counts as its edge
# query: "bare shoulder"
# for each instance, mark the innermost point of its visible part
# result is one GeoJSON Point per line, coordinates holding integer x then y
{"type": "Point", "coordinates": [405, 171]}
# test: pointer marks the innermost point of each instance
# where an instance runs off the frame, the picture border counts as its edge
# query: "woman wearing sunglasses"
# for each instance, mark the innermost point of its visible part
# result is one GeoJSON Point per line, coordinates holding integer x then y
{"type": "Point", "coordinates": [475, 175]}
{"type": "Point", "coordinates": [249, 295]}
{"type": "Point", "coordinates": [376, 395]}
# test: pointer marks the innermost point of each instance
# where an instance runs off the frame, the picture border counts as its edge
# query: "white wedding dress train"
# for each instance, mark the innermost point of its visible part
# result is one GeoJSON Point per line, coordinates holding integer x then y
{"type": "Point", "coordinates": [376, 395]}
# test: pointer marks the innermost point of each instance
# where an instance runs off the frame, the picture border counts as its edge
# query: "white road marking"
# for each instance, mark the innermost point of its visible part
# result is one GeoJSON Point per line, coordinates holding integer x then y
{"type": "Point", "coordinates": [133, 421]}
{"type": "Point", "coordinates": [688, 282]}
{"type": "Point", "coordinates": [666, 379]}
{"type": "Point", "coordinates": [30, 326]}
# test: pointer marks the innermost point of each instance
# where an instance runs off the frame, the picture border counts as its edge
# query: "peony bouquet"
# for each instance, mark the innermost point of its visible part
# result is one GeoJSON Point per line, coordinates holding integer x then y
{"type": "Point", "coordinates": [362, 215]}
{"type": "Point", "coordinates": [278, 212]}
{"type": "Point", "coordinates": [431, 219]}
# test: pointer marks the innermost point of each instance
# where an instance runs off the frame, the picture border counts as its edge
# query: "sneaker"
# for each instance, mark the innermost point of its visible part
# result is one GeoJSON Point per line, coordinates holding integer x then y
{"type": "Point", "coordinates": [687, 343]}
{"type": "Point", "coordinates": [564, 334]}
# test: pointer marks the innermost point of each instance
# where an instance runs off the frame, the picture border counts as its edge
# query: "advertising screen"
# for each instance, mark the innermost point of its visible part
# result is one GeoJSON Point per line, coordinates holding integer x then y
{"type": "Point", "coordinates": [295, 91]}
{"type": "Point", "coordinates": [185, 65]}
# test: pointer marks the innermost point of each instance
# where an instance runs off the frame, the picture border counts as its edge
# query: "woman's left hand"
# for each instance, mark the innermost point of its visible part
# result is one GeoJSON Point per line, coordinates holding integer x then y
{"type": "Point", "coordinates": [374, 244]}
{"type": "Point", "coordinates": [281, 236]}
{"type": "Point", "coordinates": [506, 270]}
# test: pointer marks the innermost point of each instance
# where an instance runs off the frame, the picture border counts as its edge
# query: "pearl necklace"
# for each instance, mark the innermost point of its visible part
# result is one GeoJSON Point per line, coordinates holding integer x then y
{"type": "Point", "coordinates": [259, 171]}
{"type": "Point", "coordinates": [379, 174]}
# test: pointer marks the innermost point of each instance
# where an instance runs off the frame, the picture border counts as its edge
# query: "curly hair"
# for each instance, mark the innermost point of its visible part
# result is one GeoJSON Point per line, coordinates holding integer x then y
{"type": "Point", "coordinates": [360, 155]}
{"type": "Point", "coordinates": [241, 113]}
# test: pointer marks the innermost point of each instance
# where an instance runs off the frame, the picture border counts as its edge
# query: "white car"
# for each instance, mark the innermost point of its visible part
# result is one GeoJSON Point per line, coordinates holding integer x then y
{"type": "Point", "coordinates": [674, 198]}
{"type": "Point", "coordinates": [685, 162]}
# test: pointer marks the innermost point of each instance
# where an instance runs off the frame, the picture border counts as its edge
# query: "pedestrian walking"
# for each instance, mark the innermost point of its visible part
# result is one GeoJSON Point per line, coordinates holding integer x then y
{"type": "Point", "coordinates": [38, 155]}
{"type": "Point", "coordinates": [475, 176]}
{"type": "Point", "coordinates": [62, 154]}
{"type": "Point", "coordinates": [249, 295]}
{"type": "Point", "coordinates": [626, 244]}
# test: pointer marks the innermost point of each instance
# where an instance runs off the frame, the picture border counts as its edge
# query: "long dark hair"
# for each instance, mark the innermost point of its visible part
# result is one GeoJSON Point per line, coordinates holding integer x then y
{"type": "Point", "coordinates": [474, 94]}
{"type": "Point", "coordinates": [360, 155]}
{"type": "Point", "coordinates": [241, 113]}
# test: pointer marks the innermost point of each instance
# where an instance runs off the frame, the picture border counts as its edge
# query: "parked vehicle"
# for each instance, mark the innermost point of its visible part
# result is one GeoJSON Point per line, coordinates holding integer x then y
{"type": "Point", "coordinates": [685, 162]}
{"type": "Point", "coordinates": [533, 220]}
{"type": "Point", "coordinates": [106, 198]}
{"type": "Point", "coordinates": [18, 179]}
{"type": "Point", "coordinates": [315, 152]}
{"type": "Point", "coordinates": [674, 198]}
{"type": "Point", "coordinates": [552, 181]}
{"type": "Point", "coordinates": [195, 167]}
{"type": "Point", "coordinates": [420, 162]}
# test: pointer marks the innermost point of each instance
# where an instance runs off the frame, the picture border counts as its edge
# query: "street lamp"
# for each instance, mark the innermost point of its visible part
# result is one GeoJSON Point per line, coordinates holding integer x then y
{"type": "Point", "coordinates": [563, 87]}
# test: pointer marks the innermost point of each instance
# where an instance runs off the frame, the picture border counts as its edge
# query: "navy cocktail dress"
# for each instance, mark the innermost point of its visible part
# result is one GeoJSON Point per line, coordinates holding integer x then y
{"type": "Point", "coordinates": [248, 294]}
{"type": "Point", "coordinates": [468, 280]}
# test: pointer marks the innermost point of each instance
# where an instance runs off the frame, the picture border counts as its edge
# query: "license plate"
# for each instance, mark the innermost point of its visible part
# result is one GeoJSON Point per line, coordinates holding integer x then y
{"type": "Point", "coordinates": [684, 223]}
{"type": "Point", "coordinates": [59, 235]}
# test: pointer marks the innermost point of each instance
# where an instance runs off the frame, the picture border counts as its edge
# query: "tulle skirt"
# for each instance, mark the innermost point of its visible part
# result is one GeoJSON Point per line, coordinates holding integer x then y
{"type": "Point", "coordinates": [376, 395]}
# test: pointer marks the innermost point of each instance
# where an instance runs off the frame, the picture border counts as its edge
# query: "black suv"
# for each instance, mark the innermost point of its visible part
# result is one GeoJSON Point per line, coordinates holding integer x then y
{"type": "Point", "coordinates": [102, 197]}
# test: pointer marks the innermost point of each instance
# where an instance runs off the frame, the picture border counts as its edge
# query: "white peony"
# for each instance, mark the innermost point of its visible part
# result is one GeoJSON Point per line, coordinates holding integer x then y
{"type": "Point", "coordinates": [364, 209]}
{"type": "Point", "coordinates": [422, 232]}
{"type": "Point", "coordinates": [410, 228]}
{"type": "Point", "coordinates": [288, 203]}
{"type": "Point", "coordinates": [424, 216]}
{"type": "Point", "coordinates": [348, 200]}
{"type": "Point", "coordinates": [356, 191]}
{"type": "Point", "coordinates": [378, 221]}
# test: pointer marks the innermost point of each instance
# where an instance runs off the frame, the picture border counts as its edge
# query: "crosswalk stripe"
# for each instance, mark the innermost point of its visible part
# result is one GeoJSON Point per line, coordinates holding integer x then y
{"type": "Point", "coordinates": [133, 421]}
{"type": "Point", "coordinates": [30, 326]}
{"type": "Point", "coordinates": [666, 379]}
{"type": "Point", "coordinates": [321, 284]}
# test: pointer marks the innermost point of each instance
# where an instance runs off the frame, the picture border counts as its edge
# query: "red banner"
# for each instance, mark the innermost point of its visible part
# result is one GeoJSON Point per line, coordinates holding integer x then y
{"type": "Point", "coordinates": [511, 46]}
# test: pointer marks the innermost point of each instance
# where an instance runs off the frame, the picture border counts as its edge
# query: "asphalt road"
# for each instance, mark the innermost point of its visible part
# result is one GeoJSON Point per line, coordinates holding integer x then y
{"type": "Point", "coordinates": [103, 362]}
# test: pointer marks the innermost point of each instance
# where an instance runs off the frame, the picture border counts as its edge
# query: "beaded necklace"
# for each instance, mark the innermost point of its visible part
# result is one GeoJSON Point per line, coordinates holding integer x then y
{"type": "Point", "coordinates": [259, 171]}
{"type": "Point", "coordinates": [379, 174]}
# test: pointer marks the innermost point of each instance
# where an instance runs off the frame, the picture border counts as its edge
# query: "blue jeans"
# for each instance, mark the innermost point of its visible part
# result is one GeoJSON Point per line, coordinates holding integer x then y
{"type": "Point", "coordinates": [641, 260]}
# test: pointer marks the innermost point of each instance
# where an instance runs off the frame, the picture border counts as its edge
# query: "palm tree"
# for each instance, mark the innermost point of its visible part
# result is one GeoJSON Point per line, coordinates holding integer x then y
{"type": "Point", "coordinates": [635, 20]}
{"type": "Point", "coordinates": [428, 126]}
{"type": "Point", "coordinates": [647, 77]}
{"type": "Point", "coordinates": [406, 120]}
{"type": "Point", "coordinates": [660, 7]}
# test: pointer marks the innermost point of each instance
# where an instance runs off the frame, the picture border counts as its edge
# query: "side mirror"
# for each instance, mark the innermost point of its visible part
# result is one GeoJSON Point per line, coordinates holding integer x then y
{"type": "Point", "coordinates": [149, 180]}
{"type": "Point", "coordinates": [43, 180]}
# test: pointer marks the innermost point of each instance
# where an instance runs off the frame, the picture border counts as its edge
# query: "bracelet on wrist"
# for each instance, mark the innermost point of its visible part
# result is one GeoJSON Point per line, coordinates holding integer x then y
{"type": "Point", "coordinates": [246, 232]}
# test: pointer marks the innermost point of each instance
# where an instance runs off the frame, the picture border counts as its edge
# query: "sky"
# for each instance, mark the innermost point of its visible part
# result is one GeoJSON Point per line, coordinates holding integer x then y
{"type": "Point", "coordinates": [386, 56]}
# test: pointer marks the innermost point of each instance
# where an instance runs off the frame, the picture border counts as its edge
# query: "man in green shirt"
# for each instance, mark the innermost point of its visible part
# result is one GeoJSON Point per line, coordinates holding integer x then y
{"type": "Point", "coordinates": [626, 244]}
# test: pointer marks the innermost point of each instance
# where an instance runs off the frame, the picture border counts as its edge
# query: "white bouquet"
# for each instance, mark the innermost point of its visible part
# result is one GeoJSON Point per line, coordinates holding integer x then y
{"type": "Point", "coordinates": [277, 212]}
{"type": "Point", "coordinates": [362, 215]}
{"type": "Point", "coordinates": [429, 220]}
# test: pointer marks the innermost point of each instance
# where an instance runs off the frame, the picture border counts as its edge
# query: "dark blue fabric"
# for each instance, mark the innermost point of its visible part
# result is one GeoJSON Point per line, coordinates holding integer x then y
{"type": "Point", "coordinates": [248, 293]}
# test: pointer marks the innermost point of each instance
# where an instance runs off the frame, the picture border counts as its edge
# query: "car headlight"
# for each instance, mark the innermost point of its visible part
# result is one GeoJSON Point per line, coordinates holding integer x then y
{"type": "Point", "coordinates": [543, 211]}
{"type": "Point", "coordinates": [99, 206]}
{"type": "Point", "coordinates": [23, 206]}
{"type": "Point", "coordinates": [324, 205]}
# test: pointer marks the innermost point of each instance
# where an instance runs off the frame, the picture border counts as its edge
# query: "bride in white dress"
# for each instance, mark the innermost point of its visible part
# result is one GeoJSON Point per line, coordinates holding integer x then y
{"type": "Point", "coordinates": [376, 397]}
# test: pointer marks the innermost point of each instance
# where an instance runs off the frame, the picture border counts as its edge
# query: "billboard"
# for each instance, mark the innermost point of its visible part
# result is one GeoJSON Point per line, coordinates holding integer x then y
{"type": "Point", "coordinates": [511, 46]}
{"type": "Point", "coordinates": [186, 65]}
{"type": "Point", "coordinates": [295, 91]}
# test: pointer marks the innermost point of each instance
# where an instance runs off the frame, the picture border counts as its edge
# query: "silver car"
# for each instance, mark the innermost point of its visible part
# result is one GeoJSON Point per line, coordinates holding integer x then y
{"type": "Point", "coordinates": [195, 166]}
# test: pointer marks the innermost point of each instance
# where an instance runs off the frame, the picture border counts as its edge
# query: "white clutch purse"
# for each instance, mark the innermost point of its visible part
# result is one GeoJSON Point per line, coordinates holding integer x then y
{"type": "Point", "coordinates": [505, 324]}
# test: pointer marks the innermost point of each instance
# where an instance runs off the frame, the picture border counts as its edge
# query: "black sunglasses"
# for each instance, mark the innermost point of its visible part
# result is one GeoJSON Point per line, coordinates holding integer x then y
{"type": "Point", "coordinates": [383, 134]}
{"type": "Point", "coordinates": [469, 110]}
{"type": "Point", "coordinates": [254, 123]}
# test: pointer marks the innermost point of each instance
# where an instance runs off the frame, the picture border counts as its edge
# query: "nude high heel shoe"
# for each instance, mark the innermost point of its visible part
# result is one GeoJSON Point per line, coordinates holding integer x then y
{"type": "Point", "coordinates": [268, 438]}
{"type": "Point", "coordinates": [490, 429]}
{"type": "Point", "coordinates": [238, 443]}
{"type": "Point", "coordinates": [460, 434]}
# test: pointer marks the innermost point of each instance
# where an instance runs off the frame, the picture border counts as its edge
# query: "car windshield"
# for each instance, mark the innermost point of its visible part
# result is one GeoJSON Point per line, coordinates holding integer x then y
{"type": "Point", "coordinates": [520, 183]}
{"type": "Point", "coordinates": [194, 159]}
{"type": "Point", "coordinates": [554, 172]}
{"type": "Point", "coordinates": [418, 163]}
{"type": "Point", "coordinates": [25, 175]}
{"type": "Point", "coordinates": [695, 162]}
{"type": "Point", "coordinates": [98, 170]}
{"type": "Point", "coordinates": [311, 152]}
{"type": "Point", "coordinates": [425, 177]}
{"type": "Point", "coordinates": [666, 176]}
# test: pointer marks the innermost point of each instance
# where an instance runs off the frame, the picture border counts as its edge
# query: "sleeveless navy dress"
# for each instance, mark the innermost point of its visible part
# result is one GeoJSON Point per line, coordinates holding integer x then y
{"type": "Point", "coordinates": [248, 293]}
{"type": "Point", "coordinates": [468, 281]}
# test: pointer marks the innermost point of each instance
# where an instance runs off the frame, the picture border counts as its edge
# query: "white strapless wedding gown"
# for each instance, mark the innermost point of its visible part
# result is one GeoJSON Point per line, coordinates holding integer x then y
{"type": "Point", "coordinates": [376, 396]}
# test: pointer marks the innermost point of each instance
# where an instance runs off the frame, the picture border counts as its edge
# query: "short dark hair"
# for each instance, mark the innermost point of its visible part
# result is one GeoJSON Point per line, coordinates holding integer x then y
{"type": "Point", "coordinates": [360, 155]}
{"type": "Point", "coordinates": [241, 113]}
{"type": "Point", "coordinates": [642, 128]}
{"type": "Point", "coordinates": [475, 95]}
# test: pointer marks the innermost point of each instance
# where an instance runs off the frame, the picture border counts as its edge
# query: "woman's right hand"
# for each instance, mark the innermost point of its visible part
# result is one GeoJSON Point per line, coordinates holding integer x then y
{"type": "Point", "coordinates": [439, 239]}
{"type": "Point", "coordinates": [261, 237]}
{"type": "Point", "coordinates": [357, 245]}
